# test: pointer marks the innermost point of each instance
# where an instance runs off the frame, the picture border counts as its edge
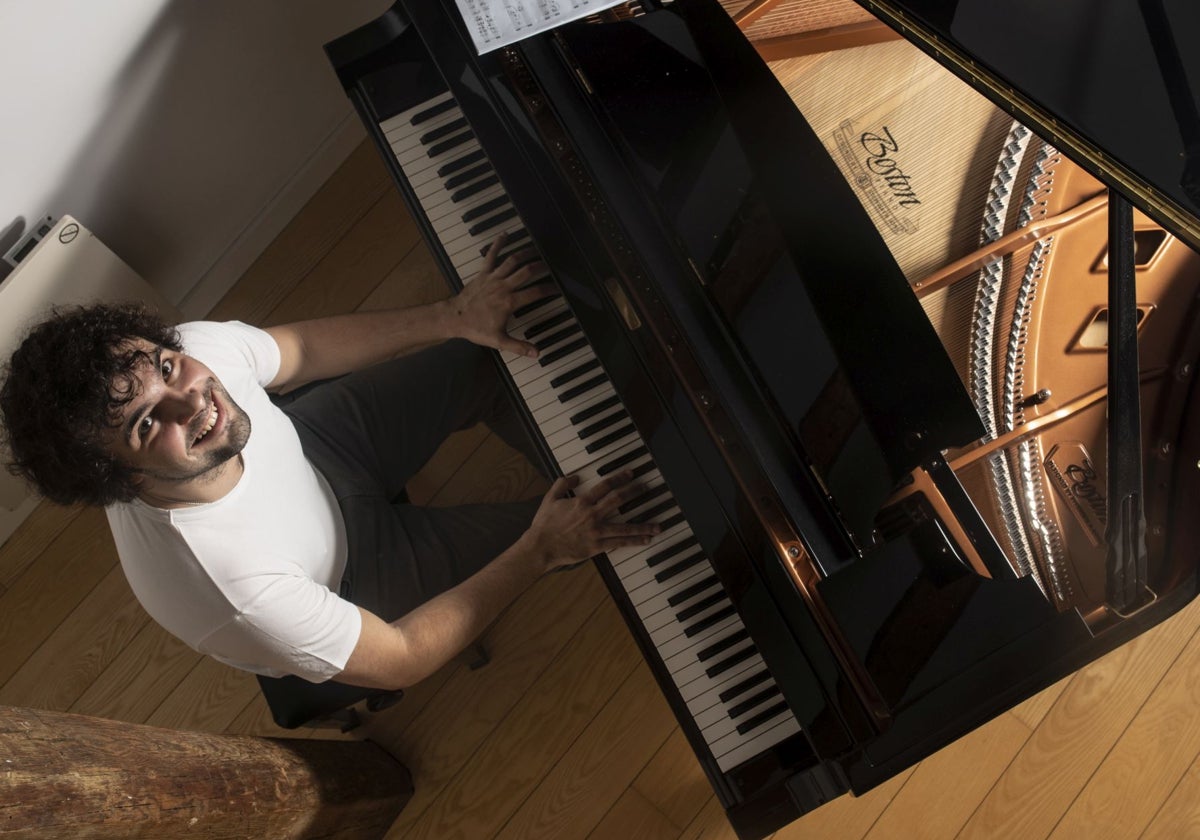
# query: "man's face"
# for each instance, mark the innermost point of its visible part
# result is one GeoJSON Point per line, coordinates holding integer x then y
{"type": "Point", "coordinates": [181, 425]}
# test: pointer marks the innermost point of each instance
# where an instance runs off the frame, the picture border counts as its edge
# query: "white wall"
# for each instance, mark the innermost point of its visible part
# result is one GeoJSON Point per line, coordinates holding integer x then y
{"type": "Point", "coordinates": [183, 133]}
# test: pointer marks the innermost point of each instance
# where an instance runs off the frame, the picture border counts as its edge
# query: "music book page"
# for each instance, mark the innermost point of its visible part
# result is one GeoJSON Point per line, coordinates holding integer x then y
{"type": "Point", "coordinates": [498, 23]}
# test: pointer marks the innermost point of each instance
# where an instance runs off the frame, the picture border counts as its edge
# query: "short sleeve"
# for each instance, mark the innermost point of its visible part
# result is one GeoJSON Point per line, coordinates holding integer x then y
{"type": "Point", "coordinates": [225, 344]}
{"type": "Point", "coordinates": [295, 626]}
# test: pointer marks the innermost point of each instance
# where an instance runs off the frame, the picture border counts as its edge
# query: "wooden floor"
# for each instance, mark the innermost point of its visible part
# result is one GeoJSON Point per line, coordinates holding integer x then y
{"type": "Point", "coordinates": [564, 734]}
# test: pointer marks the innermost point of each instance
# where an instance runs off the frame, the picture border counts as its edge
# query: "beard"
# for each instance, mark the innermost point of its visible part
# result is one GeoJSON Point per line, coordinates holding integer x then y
{"type": "Point", "coordinates": [214, 460]}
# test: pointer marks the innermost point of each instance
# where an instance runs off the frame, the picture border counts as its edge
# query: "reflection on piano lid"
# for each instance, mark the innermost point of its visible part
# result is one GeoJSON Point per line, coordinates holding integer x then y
{"type": "Point", "coordinates": [850, 324]}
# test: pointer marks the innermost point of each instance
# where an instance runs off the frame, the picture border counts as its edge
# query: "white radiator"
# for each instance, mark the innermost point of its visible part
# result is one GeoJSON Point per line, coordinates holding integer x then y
{"type": "Point", "coordinates": [69, 265]}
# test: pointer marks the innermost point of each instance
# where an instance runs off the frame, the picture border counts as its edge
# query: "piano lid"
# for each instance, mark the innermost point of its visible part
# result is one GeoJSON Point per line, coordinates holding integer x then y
{"type": "Point", "coordinates": [1113, 84]}
{"type": "Point", "coordinates": [782, 247]}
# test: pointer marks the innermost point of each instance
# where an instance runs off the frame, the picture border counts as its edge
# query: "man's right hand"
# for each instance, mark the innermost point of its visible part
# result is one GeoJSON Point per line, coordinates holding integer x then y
{"type": "Point", "coordinates": [571, 528]}
{"type": "Point", "coordinates": [567, 529]}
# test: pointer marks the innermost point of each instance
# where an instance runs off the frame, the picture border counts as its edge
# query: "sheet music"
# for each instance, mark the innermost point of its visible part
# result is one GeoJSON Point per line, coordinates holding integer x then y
{"type": "Point", "coordinates": [498, 23]}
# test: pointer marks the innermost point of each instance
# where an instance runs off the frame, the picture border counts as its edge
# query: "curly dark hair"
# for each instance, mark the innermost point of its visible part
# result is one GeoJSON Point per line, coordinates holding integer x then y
{"type": "Point", "coordinates": [64, 386]}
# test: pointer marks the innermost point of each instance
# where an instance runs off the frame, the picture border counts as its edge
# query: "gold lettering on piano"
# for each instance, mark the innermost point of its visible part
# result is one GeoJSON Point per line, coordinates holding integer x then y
{"type": "Point", "coordinates": [870, 161]}
{"type": "Point", "coordinates": [1078, 485]}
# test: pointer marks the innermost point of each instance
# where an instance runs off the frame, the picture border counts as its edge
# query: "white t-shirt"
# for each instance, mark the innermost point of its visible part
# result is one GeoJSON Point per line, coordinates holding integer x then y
{"type": "Point", "coordinates": [250, 579]}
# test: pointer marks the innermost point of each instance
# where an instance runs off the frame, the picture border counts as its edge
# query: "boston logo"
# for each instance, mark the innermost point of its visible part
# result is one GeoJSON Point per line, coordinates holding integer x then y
{"type": "Point", "coordinates": [1074, 477]}
{"type": "Point", "coordinates": [871, 160]}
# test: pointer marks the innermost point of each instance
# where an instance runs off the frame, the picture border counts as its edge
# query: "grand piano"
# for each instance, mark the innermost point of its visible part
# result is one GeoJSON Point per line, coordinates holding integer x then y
{"type": "Point", "coordinates": [891, 308]}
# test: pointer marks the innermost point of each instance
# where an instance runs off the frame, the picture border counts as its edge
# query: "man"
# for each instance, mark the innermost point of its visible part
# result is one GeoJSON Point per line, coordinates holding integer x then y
{"type": "Point", "coordinates": [271, 538]}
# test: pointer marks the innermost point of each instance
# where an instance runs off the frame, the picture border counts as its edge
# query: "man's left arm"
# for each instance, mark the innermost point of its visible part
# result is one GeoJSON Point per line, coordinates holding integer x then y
{"type": "Point", "coordinates": [326, 347]}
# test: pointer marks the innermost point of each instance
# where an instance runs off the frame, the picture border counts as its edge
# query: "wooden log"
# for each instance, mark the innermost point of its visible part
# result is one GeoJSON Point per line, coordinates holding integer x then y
{"type": "Point", "coordinates": [73, 776]}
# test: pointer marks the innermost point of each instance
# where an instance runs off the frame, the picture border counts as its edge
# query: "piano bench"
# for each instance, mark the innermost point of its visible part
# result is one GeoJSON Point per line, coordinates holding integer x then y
{"type": "Point", "coordinates": [296, 702]}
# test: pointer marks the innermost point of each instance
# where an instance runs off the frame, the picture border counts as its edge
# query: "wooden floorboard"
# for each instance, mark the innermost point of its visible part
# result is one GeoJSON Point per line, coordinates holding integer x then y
{"type": "Point", "coordinates": [1149, 759]}
{"type": "Point", "coordinates": [507, 767]}
{"type": "Point", "coordinates": [672, 782]}
{"type": "Point", "coordinates": [79, 649]}
{"type": "Point", "coordinates": [472, 707]}
{"type": "Point", "coordinates": [956, 779]}
{"type": "Point", "coordinates": [336, 208]}
{"type": "Point", "coordinates": [1084, 723]}
{"type": "Point", "coordinates": [140, 677]}
{"type": "Point", "coordinates": [72, 564]}
{"type": "Point", "coordinates": [564, 734]}
{"type": "Point", "coordinates": [31, 538]}
{"type": "Point", "coordinates": [632, 816]}
{"type": "Point", "coordinates": [590, 776]}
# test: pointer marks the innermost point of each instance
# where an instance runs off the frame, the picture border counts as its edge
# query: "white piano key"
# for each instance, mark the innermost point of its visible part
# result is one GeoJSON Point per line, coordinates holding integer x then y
{"type": "Point", "coordinates": [703, 692]}
{"type": "Point", "coordinates": [534, 379]}
{"type": "Point", "coordinates": [400, 126]}
{"type": "Point", "coordinates": [538, 381]}
{"type": "Point", "coordinates": [679, 642]}
{"type": "Point", "coordinates": [688, 666]}
{"type": "Point", "coordinates": [657, 613]}
{"type": "Point", "coordinates": [716, 722]}
{"type": "Point", "coordinates": [573, 462]}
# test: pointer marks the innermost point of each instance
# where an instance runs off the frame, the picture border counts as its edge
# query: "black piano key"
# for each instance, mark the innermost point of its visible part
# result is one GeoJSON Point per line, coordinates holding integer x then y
{"type": "Point", "coordinates": [481, 210]}
{"type": "Point", "coordinates": [744, 686]}
{"type": "Point", "coordinates": [714, 671]}
{"type": "Point", "coordinates": [602, 424]}
{"type": "Point", "coordinates": [509, 239]}
{"type": "Point", "coordinates": [562, 352]}
{"type": "Point", "coordinates": [529, 308]}
{"type": "Point", "coordinates": [692, 591]}
{"type": "Point", "coordinates": [597, 445]}
{"type": "Point", "coordinates": [759, 719]}
{"type": "Point", "coordinates": [548, 324]}
{"type": "Point", "coordinates": [488, 224]}
{"type": "Point", "coordinates": [723, 645]}
{"type": "Point", "coordinates": [458, 163]}
{"type": "Point", "coordinates": [671, 521]}
{"type": "Point", "coordinates": [643, 498]}
{"type": "Point", "coordinates": [458, 196]}
{"type": "Point", "coordinates": [640, 471]}
{"type": "Point", "coordinates": [592, 410]}
{"type": "Point", "coordinates": [660, 557]}
{"type": "Point", "coordinates": [657, 510]}
{"type": "Point", "coordinates": [555, 337]}
{"type": "Point", "coordinates": [430, 137]}
{"type": "Point", "coordinates": [447, 145]}
{"type": "Point", "coordinates": [704, 623]}
{"type": "Point", "coordinates": [470, 175]}
{"type": "Point", "coordinates": [573, 373]}
{"type": "Point", "coordinates": [582, 388]}
{"type": "Point", "coordinates": [617, 463]}
{"type": "Point", "coordinates": [700, 606]}
{"type": "Point", "coordinates": [749, 703]}
{"type": "Point", "coordinates": [432, 111]}
{"type": "Point", "coordinates": [682, 566]}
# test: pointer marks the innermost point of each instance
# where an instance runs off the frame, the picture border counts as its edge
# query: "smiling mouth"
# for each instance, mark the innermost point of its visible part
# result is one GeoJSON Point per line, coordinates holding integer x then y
{"type": "Point", "coordinates": [213, 414]}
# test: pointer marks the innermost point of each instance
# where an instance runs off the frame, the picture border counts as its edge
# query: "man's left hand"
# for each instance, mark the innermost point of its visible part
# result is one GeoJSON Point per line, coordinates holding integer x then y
{"type": "Point", "coordinates": [484, 305]}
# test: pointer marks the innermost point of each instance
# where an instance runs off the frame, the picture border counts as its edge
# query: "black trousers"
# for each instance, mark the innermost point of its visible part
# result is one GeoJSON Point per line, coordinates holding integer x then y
{"type": "Point", "coordinates": [369, 432]}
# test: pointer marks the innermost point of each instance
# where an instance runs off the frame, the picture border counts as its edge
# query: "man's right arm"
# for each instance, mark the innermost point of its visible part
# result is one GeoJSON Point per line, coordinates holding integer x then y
{"type": "Point", "coordinates": [566, 529]}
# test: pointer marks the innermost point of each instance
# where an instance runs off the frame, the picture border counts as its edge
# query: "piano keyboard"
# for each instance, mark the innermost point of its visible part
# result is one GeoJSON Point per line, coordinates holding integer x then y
{"type": "Point", "coordinates": [671, 584]}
